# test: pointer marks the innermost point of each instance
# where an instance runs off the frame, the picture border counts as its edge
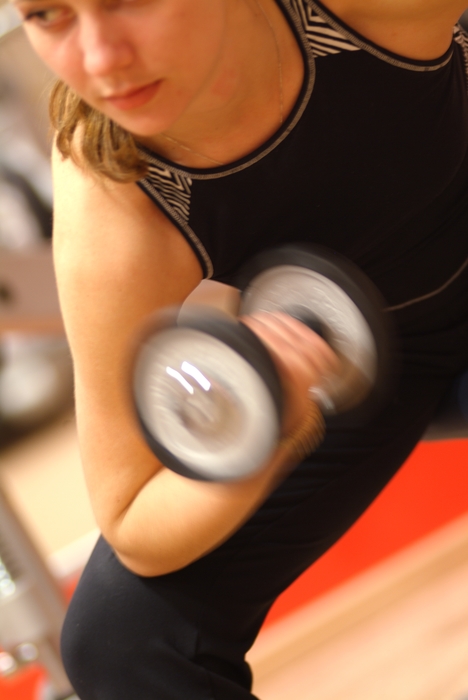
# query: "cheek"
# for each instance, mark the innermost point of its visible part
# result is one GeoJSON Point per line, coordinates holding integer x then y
{"type": "Point", "coordinates": [60, 57]}
{"type": "Point", "coordinates": [187, 42]}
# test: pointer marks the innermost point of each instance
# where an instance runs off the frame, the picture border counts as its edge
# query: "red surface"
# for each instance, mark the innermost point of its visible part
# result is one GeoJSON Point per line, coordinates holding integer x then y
{"type": "Point", "coordinates": [429, 491]}
{"type": "Point", "coordinates": [26, 685]}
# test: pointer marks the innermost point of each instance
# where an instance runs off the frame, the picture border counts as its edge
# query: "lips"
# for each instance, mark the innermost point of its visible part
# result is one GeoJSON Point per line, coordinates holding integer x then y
{"type": "Point", "coordinates": [131, 99]}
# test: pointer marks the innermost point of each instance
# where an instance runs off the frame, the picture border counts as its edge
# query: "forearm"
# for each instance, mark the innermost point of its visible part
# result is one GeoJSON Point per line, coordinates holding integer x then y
{"type": "Point", "coordinates": [173, 520]}
{"type": "Point", "coordinates": [156, 520]}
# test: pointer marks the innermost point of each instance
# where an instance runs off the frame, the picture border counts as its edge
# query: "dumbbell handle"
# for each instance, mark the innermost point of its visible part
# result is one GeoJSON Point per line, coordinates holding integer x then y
{"type": "Point", "coordinates": [311, 322]}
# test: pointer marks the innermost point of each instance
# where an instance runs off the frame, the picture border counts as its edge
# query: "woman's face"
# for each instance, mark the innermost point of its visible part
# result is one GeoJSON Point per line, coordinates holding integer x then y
{"type": "Point", "coordinates": [143, 63]}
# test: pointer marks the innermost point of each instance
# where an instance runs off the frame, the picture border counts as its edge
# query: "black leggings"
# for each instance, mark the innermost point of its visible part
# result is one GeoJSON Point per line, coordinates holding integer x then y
{"type": "Point", "coordinates": [183, 636]}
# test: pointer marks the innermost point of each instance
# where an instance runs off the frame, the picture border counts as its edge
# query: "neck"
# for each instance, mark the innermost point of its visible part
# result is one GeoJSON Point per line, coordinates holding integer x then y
{"type": "Point", "coordinates": [242, 104]}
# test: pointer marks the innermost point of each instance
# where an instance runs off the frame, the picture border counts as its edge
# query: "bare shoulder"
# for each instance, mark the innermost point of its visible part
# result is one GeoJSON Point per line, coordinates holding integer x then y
{"type": "Point", "coordinates": [106, 228]}
{"type": "Point", "coordinates": [417, 29]}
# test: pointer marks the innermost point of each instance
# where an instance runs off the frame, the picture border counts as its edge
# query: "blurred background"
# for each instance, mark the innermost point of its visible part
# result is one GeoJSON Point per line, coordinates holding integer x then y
{"type": "Point", "coordinates": [44, 511]}
{"type": "Point", "coordinates": [35, 370]}
{"type": "Point", "coordinates": [383, 615]}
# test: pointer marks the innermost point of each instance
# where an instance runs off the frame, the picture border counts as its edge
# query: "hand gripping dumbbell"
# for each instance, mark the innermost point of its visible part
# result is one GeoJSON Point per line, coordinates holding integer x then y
{"type": "Point", "coordinates": [206, 391]}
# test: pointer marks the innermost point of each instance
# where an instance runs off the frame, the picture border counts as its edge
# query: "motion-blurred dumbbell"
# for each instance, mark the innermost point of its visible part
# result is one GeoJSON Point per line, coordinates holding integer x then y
{"type": "Point", "coordinates": [206, 391]}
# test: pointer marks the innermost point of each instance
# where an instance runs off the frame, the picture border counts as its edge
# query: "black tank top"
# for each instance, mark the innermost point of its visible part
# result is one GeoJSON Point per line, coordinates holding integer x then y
{"type": "Point", "coordinates": [372, 162]}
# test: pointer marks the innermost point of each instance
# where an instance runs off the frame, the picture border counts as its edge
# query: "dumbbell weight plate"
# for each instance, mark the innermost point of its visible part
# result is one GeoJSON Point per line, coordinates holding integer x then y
{"type": "Point", "coordinates": [308, 282]}
{"type": "Point", "coordinates": [207, 396]}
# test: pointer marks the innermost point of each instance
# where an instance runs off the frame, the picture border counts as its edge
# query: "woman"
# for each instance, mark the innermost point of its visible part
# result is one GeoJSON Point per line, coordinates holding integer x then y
{"type": "Point", "coordinates": [201, 133]}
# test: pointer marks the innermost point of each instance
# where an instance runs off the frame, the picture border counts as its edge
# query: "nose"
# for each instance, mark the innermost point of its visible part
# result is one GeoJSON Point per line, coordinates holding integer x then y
{"type": "Point", "coordinates": [105, 49]}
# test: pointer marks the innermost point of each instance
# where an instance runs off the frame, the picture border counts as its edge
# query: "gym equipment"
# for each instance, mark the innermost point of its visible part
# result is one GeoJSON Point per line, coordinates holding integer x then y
{"type": "Point", "coordinates": [336, 299]}
{"type": "Point", "coordinates": [32, 607]}
{"type": "Point", "coordinates": [206, 391]}
{"type": "Point", "coordinates": [207, 395]}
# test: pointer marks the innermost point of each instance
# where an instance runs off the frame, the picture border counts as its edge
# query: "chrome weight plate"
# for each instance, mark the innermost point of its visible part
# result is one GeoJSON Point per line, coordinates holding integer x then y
{"type": "Point", "coordinates": [205, 410]}
{"type": "Point", "coordinates": [321, 286]}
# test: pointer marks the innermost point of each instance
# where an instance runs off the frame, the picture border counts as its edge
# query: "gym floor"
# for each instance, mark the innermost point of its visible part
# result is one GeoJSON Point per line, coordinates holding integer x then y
{"type": "Point", "coordinates": [414, 646]}
{"type": "Point", "coordinates": [417, 649]}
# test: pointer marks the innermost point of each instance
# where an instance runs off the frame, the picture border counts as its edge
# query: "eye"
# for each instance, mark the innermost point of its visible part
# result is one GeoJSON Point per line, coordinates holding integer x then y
{"type": "Point", "coordinates": [49, 17]}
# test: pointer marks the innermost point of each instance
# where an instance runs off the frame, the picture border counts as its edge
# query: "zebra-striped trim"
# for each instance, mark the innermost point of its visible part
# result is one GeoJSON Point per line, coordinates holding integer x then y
{"type": "Point", "coordinates": [371, 48]}
{"type": "Point", "coordinates": [174, 187]}
{"type": "Point", "coordinates": [461, 37]}
{"type": "Point", "coordinates": [172, 192]}
{"type": "Point", "coordinates": [324, 40]}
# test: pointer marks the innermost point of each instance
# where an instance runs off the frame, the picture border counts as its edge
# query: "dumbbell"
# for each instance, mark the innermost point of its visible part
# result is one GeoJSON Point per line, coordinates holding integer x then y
{"type": "Point", "coordinates": [206, 391]}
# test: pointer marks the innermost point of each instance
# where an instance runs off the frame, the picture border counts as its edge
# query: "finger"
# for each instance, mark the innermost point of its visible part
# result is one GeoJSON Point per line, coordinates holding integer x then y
{"type": "Point", "coordinates": [281, 332]}
{"type": "Point", "coordinates": [310, 341]}
{"type": "Point", "coordinates": [295, 366]}
{"type": "Point", "coordinates": [298, 370]}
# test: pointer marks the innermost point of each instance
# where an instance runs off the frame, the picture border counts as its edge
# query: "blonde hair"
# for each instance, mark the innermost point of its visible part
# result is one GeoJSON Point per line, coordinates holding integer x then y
{"type": "Point", "coordinates": [106, 148]}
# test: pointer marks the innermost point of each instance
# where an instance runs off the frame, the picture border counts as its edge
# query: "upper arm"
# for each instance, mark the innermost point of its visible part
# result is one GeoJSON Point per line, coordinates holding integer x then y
{"type": "Point", "coordinates": [117, 259]}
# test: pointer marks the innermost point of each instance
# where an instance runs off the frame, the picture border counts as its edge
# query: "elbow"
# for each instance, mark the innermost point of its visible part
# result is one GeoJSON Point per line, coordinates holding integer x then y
{"type": "Point", "coordinates": [145, 568]}
{"type": "Point", "coordinates": [142, 556]}
{"type": "Point", "coordinates": [149, 564]}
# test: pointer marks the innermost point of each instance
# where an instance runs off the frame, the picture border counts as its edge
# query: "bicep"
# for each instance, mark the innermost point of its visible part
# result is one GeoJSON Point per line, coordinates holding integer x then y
{"type": "Point", "coordinates": [117, 260]}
